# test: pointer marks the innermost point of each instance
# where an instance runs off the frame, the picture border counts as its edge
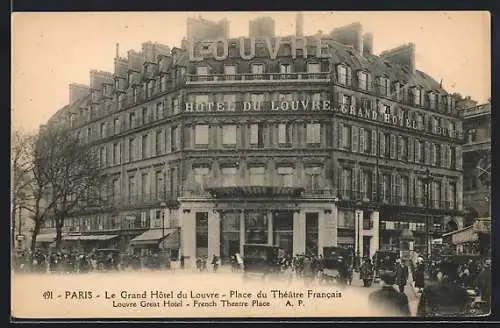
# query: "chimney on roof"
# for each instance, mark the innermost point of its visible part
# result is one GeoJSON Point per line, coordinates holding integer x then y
{"type": "Point", "coordinates": [97, 78]}
{"type": "Point", "coordinates": [299, 24]}
{"type": "Point", "coordinates": [117, 50]}
{"type": "Point", "coordinates": [77, 91]}
{"type": "Point", "coordinates": [403, 55]}
{"type": "Point", "coordinates": [350, 35]}
{"type": "Point", "coordinates": [368, 44]}
{"type": "Point", "coordinates": [262, 26]}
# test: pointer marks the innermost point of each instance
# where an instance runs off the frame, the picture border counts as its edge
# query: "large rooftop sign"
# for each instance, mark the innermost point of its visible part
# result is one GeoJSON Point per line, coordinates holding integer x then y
{"type": "Point", "coordinates": [219, 48]}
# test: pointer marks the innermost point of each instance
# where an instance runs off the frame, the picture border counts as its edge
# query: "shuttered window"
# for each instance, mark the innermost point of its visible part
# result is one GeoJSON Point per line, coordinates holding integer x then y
{"type": "Point", "coordinates": [393, 146]}
{"type": "Point", "coordinates": [374, 142]}
{"type": "Point", "coordinates": [362, 141]}
{"type": "Point", "coordinates": [355, 140]}
{"type": "Point", "coordinates": [382, 144]}
{"type": "Point", "coordinates": [397, 188]}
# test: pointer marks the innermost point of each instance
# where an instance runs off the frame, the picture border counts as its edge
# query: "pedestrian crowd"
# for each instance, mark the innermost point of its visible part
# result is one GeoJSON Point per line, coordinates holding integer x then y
{"type": "Point", "coordinates": [445, 288]}
{"type": "Point", "coordinates": [43, 261]}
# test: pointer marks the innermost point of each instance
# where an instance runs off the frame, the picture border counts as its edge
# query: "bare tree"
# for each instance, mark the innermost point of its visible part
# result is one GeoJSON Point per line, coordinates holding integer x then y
{"type": "Point", "coordinates": [65, 178]}
{"type": "Point", "coordinates": [71, 170]}
{"type": "Point", "coordinates": [21, 163]}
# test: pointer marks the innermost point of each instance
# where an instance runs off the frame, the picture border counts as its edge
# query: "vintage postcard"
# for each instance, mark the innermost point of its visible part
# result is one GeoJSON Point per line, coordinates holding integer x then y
{"type": "Point", "coordinates": [250, 164]}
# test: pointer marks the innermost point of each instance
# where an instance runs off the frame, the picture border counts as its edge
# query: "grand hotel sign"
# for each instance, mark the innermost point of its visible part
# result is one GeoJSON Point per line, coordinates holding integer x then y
{"type": "Point", "coordinates": [306, 105]}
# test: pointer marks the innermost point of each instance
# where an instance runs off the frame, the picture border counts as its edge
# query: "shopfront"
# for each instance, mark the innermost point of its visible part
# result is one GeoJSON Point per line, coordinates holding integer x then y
{"type": "Point", "coordinates": [222, 224]}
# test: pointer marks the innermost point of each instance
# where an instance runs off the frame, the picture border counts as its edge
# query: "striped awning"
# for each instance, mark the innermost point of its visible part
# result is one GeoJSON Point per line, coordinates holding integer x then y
{"type": "Point", "coordinates": [89, 237]}
{"type": "Point", "coordinates": [46, 237]}
{"type": "Point", "coordinates": [170, 238]}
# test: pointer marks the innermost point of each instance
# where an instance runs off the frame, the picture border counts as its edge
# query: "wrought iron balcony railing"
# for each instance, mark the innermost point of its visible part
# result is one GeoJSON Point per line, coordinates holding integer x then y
{"type": "Point", "coordinates": [272, 77]}
{"type": "Point", "coordinates": [398, 200]}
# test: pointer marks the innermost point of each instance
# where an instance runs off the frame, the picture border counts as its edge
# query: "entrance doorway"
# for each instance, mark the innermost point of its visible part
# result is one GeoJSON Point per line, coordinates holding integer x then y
{"type": "Point", "coordinates": [366, 246]}
{"type": "Point", "coordinates": [229, 235]}
{"type": "Point", "coordinates": [283, 231]}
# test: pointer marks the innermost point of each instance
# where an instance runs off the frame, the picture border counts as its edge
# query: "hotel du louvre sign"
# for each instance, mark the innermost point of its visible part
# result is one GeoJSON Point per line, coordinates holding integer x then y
{"type": "Point", "coordinates": [198, 51]}
{"type": "Point", "coordinates": [315, 105]}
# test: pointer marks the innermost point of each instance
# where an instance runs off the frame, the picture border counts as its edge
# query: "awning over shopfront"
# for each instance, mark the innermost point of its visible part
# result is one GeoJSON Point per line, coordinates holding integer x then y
{"type": "Point", "coordinates": [46, 237]}
{"type": "Point", "coordinates": [255, 191]}
{"type": "Point", "coordinates": [463, 235]}
{"type": "Point", "coordinates": [482, 225]}
{"type": "Point", "coordinates": [170, 237]}
{"type": "Point", "coordinates": [89, 237]}
{"type": "Point", "coordinates": [345, 240]}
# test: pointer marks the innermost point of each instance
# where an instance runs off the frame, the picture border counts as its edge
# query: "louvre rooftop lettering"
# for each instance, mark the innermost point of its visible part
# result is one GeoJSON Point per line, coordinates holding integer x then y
{"type": "Point", "coordinates": [219, 48]}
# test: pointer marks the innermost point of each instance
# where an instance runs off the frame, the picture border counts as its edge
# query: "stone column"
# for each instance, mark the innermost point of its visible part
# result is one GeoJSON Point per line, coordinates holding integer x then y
{"type": "Point", "coordinates": [213, 233]}
{"type": "Point", "coordinates": [242, 231]}
{"type": "Point", "coordinates": [358, 220]}
{"type": "Point", "coordinates": [188, 234]}
{"type": "Point", "coordinates": [322, 231]}
{"type": "Point", "coordinates": [270, 228]}
{"type": "Point", "coordinates": [299, 233]}
{"type": "Point", "coordinates": [459, 192]}
{"type": "Point", "coordinates": [332, 222]}
{"type": "Point", "coordinates": [375, 240]}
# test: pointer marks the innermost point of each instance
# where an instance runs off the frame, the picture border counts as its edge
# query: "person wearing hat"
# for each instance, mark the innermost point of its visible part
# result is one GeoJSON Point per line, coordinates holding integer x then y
{"type": "Point", "coordinates": [388, 300]}
{"type": "Point", "coordinates": [402, 274]}
{"type": "Point", "coordinates": [483, 281]}
{"type": "Point", "coordinates": [446, 297]}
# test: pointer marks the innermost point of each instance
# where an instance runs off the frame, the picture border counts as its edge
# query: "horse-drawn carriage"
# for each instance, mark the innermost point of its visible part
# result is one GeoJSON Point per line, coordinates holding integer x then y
{"type": "Point", "coordinates": [261, 261]}
{"type": "Point", "coordinates": [384, 260]}
{"type": "Point", "coordinates": [337, 265]}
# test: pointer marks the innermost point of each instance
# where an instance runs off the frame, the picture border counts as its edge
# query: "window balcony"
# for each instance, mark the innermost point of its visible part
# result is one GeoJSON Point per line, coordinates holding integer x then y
{"type": "Point", "coordinates": [140, 200]}
{"type": "Point", "coordinates": [353, 195]}
{"type": "Point", "coordinates": [263, 77]}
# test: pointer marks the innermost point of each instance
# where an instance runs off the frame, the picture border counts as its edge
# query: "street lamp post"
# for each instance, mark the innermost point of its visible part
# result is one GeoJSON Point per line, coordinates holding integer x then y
{"type": "Point", "coordinates": [163, 206]}
{"type": "Point", "coordinates": [427, 181]}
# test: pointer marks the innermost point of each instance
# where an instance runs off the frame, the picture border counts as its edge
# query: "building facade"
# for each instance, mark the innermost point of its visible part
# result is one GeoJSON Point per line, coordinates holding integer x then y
{"type": "Point", "coordinates": [291, 141]}
{"type": "Point", "coordinates": [477, 160]}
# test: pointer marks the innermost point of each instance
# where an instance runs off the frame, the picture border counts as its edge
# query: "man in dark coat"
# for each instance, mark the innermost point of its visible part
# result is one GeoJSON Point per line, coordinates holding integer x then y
{"type": "Point", "coordinates": [388, 300]}
{"type": "Point", "coordinates": [402, 274]}
{"type": "Point", "coordinates": [446, 297]}
{"type": "Point", "coordinates": [483, 282]}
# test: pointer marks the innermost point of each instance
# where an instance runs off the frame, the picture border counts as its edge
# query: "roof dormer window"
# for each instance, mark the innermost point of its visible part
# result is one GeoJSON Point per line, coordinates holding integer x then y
{"type": "Point", "coordinates": [362, 80]}
{"type": "Point", "coordinates": [285, 68]}
{"type": "Point", "coordinates": [385, 86]}
{"type": "Point", "coordinates": [432, 100]}
{"type": "Point", "coordinates": [313, 68]}
{"type": "Point", "coordinates": [344, 75]}
{"type": "Point", "coordinates": [202, 70]}
{"type": "Point", "coordinates": [417, 96]}
{"type": "Point", "coordinates": [257, 68]}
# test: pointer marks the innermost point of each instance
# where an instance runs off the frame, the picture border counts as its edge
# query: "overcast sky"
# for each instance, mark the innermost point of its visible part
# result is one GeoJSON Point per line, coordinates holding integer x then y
{"type": "Point", "coordinates": [52, 50]}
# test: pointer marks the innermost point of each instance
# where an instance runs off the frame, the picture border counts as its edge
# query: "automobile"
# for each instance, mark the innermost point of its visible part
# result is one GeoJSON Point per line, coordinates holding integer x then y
{"type": "Point", "coordinates": [337, 265]}
{"type": "Point", "coordinates": [260, 261]}
{"type": "Point", "coordinates": [384, 260]}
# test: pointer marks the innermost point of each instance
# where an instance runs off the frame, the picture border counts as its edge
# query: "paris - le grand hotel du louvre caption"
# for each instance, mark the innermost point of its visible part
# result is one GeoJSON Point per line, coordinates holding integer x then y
{"type": "Point", "coordinates": [295, 141]}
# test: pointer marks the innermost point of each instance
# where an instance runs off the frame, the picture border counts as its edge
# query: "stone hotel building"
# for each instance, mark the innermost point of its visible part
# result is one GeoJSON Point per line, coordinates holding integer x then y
{"type": "Point", "coordinates": [296, 141]}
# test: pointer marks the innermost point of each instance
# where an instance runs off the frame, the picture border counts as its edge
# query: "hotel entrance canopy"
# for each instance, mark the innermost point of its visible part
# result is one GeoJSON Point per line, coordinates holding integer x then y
{"type": "Point", "coordinates": [156, 236]}
{"type": "Point", "coordinates": [46, 237]}
{"type": "Point", "coordinates": [255, 191]}
{"type": "Point", "coordinates": [88, 237]}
